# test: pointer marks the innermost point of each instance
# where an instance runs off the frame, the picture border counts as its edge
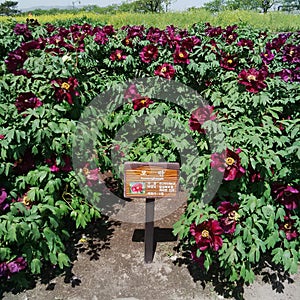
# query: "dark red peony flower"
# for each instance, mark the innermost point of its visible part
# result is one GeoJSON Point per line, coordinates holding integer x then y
{"type": "Point", "coordinates": [286, 75]}
{"type": "Point", "coordinates": [92, 175]}
{"type": "Point", "coordinates": [25, 164]}
{"type": "Point", "coordinates": [228, 62]}
{"type": "Point", "coordinates": [15, 60]}
{"type": "Point", "coordinates": [16, 266]}
{"type": "Point", "coordinates": [2, 137]}
{"type": "Point", "coordinates": [101, 37]}
{"type": "Point", "coordinates": [181, 56]}
{"type": "Point", "coordinates": [27, 100]}
{"type": "Point", "coordinates": [3, 196]}
{"type": "Point", "coordinates": [22, 29]}
{"type": "Point", "coordinates": [127, 42]}
{"type": "Point", "coordinates": [267, 56]}
{"type": "Point", "coordinates": [190, 42]}
{"type": "Point", "coordinates": [287, 195]}
{"type": "Point", "coordinates": [230, 216]}
{"type": "Point", "coordinates": [213, 31]}
{"type": "Point", "coordinates": [165, 70]}
{"type": "Point", "coordinates": [287, 226]}
{"type": "Point", "coordinates": [138, 100]}
{"type": "Point", "coordinates": [200, 116]}
{"type": "Point", "coordinates": [253, 79]}
{"type": "Point", "coordinates": [228, 162]}
{"type": "Point", "coordinates": [254, 175]}
{"type": "Point", "coordinates": [291, 54]}
{"type": "Point", "coordinates": [10, 268]}
{"type": "Point", "coordinates": [207, 235]}
{"type": "Point", "coordinates": [229, 34]}
{"type": "Point", "coordinates": [117, 55]}
{"type": "Point", "coordinates": [134, 31]}
{"type": "Point", "coordinates": [245, 43]}
{"type": "Point", "coordinates": [65, 89]}
{"type": "Point", "coordinates": [149, 53]}
{"type": "Point", "coordinates": [63, 164]}
{"type": "Point", "coordinates": [154, 35]}
{"type": "Point", "coordinates": [139, 103]}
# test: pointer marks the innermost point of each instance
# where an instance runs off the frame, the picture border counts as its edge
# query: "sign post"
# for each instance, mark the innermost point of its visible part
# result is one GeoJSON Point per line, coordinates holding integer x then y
{"type": "Point", "coordinates": [150, 181]}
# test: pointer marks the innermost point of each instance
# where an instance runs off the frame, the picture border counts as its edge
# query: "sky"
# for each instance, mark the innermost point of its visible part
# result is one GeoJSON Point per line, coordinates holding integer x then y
{"type": "Point", "coordinates": [178, 5]}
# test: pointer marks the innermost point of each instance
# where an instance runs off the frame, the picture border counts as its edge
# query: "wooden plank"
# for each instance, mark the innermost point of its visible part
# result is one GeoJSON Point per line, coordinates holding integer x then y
{"type": "Point", "coordinates": [150, 180]}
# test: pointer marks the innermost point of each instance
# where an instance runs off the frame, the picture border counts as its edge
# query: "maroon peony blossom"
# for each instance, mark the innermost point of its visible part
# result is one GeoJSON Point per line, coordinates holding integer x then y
{"type": "Point", "coordinates": [65, 89]}
{"type": "Point", "coordinates": [27, 100]}
{"type": "Point", "coordinates": [253, 79]}
{"type": "Point", "coordinates": [165, 70]}
{"type": "Point", "coordinates": [228, 162]}
{"type": "Point", "coordinates": [230, 216]}
{"type": "Point", "coordinates": [134, 31]}
{"type": "Point", "coordinates": [277, 43]}
{"type": "Point", "coordinates": [245, 43]}
{"type": "Point", "coordinates": [287, 226]}
{"type": "Point", "coordinates": [127, 42]}
{"type": "Point", "coordinates": [190, 42]}
{"type": "Point", "coordinates": [64, 166]}
{"type": "Point", "coordinates": [200, 116]}
{"type": "Point", "coordinates": [254, 176]}
{"type": "Point", "coordinates": [92, 175]}
{"type": "Point", "coordinates": [15, 60]}
{"type": "Point", "coordinates": [154, 35]}
{"type": "Point", "coordinates": [207, 235]}
{"type": "Point", "coordinates": [131, 92]}
{"type": "Point", "coordinates": [181, 56]}
{"type": "Point", "coordinates": [3, 196]}
{"type": "Point", "coordinates": [267, 57]}
{"type": "Point", "coordinates": [16, 266]}
{"type": "Point", "coordinates": [3, 269]}
{"type": "Point", "coordinates": [139, 103]}
{"type": "Point", "coordinates": [117, 55]}
{"type": "Point", "coordinates": [101, 37]}
{"type": "Point", "coordinates": [213, 31]}
{"type": "Point", "coordinates": [291, 54]}
{"type": "Point", "coordinates": [25, 164]}
{"type": "Point", "coordinates": [228, 62]}
{"type": "Point", "coordinates": [138, 100]}
{"type": "Point", "coordinates": [2, 137]}
{"type": "Point", "coordinates": [287, 195]}
{"type": "Point", "coordinates": [22, 29]}
{"type": "Point", "coordinates": [149, 53]}
{"type": "Point", "coordinates": [286, 75]}
{"type": "Point", "coordinates": [229, 34]}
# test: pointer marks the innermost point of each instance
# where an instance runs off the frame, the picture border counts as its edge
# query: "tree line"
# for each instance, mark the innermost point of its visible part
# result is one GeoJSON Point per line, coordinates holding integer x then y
{"type": "Point", "coordinates": [9, 8]}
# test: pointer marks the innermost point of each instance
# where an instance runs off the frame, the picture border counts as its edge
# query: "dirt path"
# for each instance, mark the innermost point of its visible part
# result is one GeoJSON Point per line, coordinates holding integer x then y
{"type": "Point", "coordinates": [113, 268]}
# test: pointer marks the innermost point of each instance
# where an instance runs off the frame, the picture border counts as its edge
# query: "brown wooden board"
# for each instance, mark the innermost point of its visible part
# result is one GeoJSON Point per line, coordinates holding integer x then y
{"type": "Point", "coordinates": [150, 180]}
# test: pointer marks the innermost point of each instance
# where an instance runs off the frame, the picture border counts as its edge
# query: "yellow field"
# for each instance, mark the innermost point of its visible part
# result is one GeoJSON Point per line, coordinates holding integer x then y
{"type": "Point", "coordinates": [274, 21]}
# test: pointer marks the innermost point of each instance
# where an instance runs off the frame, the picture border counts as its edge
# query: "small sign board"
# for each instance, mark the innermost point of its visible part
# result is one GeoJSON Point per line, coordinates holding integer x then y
{"type": "Point", "coordinates": [150, 180]}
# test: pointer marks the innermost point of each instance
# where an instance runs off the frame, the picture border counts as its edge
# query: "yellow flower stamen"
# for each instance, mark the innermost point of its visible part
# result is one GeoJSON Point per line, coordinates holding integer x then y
{"type": "Point", "coordinates": [291, 52]}
{"type": "Point", "coordinates": [65, 86]}
{"type": "Point", "coordinates": [233, 215]}
{"type": "Point", "coordinates": [229, 161]}
{"type": "Point", "coordinates": [251, 77]}
{"type": "Point", "coordinates": [26, 201]}
{"type": "Point", "coordinates": [230, 61]}
{"type": "Point", "coordinates": [181, 55]}
{"type": "Point", "coordinates": [205, 234]}
{"type": "Point", "coordinates": [230, 37]}
{"type": "Point", "coordinates": [287, 226]}
{"type": "Point", "coordinates": [85, 171]}
{"type": "Point", "coordinates": [119, 55]}
{"type": "Point", "coordinates": [164, 69]}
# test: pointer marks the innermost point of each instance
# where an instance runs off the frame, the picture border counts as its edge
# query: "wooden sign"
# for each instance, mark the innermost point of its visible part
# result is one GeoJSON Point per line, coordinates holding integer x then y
{"type": "Point", "coordinates": [150, 180]}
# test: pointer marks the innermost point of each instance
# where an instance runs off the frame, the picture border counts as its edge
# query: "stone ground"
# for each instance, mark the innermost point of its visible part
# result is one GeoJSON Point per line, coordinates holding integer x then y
{"type": "Point", "coordinates": [111, 266]}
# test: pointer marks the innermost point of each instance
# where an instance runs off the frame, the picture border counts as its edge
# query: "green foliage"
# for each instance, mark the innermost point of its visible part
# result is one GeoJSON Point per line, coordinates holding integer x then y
{"type": "Point", "coordinates": [50, 74]}
{"type": "Point", "coordinates": [8, 8]}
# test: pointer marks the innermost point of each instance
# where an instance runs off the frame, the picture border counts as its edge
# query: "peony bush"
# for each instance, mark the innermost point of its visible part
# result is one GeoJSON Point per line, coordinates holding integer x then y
{"type": "Point", "coordinates": [250, 79]}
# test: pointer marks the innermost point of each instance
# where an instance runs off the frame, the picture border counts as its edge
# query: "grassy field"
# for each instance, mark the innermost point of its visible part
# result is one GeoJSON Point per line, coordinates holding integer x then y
{"type": "Point", "coordinates": [274, 21]}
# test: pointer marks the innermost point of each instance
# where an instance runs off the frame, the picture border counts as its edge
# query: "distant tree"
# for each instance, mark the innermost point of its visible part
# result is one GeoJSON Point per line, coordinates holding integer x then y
{"type": "Point", "coordinates": [154, 6]}
{"type": "Point", "coordinates": [218, 5]}
{"type": "Point", "coordinates": [289, 5]}
{"type": "Point", "coordinates": [9, 8]}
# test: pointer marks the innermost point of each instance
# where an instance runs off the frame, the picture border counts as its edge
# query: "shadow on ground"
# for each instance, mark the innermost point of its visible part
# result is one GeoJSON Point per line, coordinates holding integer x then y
{"type": "Point", "coordinates": [270, 273]}
{"type": "Point", "coordinates": [91, 241]}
